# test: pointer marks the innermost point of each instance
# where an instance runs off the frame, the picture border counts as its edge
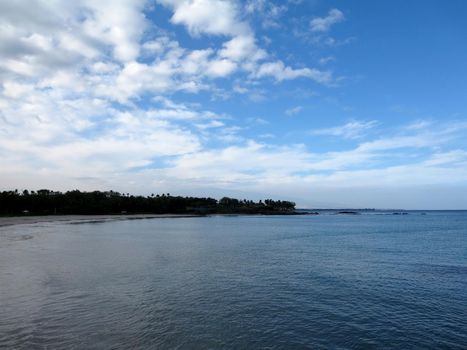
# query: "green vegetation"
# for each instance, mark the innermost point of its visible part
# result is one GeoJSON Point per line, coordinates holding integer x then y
{"type": "Point", "coordinates": [46, 202]}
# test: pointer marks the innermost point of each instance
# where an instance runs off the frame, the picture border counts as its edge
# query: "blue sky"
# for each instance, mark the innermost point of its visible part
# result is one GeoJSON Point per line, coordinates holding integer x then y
{"type": "Point", "coordinates": [327, 103]}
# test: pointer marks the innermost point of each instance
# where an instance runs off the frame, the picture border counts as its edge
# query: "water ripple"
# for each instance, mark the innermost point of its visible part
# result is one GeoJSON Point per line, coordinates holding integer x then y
{"type": "Point", "coordinates": [278, 283]}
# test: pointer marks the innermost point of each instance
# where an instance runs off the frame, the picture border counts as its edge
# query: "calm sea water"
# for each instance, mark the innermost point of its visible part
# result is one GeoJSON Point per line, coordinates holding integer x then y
{"type": "Point", "coordinates": [331, 282]}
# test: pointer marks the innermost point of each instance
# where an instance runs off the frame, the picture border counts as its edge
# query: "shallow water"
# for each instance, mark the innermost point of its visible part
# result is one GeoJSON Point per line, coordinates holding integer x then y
{"type": "Point", "coordinates": [363, 282]}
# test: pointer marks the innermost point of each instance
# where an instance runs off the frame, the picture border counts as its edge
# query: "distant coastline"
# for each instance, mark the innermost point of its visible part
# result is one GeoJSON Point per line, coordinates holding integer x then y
{"type": "Point", "coordinates": [110, 205]}
{"type": "Point", "coordinates": [48, 202]}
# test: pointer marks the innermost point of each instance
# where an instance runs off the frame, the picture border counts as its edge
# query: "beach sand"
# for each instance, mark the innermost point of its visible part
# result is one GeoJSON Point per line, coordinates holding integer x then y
{"type": "Point", "coordinates": [76, 219]}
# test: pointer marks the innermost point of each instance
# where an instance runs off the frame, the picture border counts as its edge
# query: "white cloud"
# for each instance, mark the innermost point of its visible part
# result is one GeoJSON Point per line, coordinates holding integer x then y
{"type": "Point", "coordinates": [457, 156]}
{"type": "Point", "coordinates": [281, 72]}
{"type": "Point", "coordinates": [323, 24]}
{"type": "Point", "coordinates": [41, 38]}
{"type": "Point", "coordinates": [242, 47]}
{"type": "Point", "coordinates": [294, 169]}
{"type": "Point", "coordinates": [45, 132]}
{"type": "Point", "coordinates": [268, 12]}
{"type": "Point", "coordinates": [221, 68]}
{"type": "Point", "coordinates": [119, 23]}
{"type": "Point", "coordinates": [216, 17]}
{"type": "Point", "coordinates": [294, 110]}
{"type": "Point", "coordinates": [419, 124]}
{"type": "Point", "coordinates": [252, 6]}
{"type": "Point", "coordinates": [327, 59]}
{"type": "Point", "coordinates": [351, 130]}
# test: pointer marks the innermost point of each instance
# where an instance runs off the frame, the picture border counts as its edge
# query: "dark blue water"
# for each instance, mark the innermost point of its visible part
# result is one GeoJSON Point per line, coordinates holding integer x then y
{"type": "Point", "coordinates": [339, 282]}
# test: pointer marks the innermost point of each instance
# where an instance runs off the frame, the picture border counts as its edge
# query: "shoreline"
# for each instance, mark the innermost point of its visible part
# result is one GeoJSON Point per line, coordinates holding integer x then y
{"type": "Point", "coordinates": [94, 218]}
{"type": "Point", "coordinates": [82, 219]}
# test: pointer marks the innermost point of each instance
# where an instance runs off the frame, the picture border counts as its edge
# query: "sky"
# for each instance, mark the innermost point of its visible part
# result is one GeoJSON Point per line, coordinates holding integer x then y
{"type": "Point", "coordinates": [326, 103]}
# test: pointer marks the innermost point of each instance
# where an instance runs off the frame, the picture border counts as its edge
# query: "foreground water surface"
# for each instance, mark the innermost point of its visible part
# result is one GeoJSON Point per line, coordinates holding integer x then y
{"type": "Point", "coordinates": [328, 281]}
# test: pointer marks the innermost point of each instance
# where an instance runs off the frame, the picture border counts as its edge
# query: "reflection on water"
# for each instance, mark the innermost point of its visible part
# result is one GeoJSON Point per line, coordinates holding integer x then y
{"type": "Point", "coordinates": [366, 281]}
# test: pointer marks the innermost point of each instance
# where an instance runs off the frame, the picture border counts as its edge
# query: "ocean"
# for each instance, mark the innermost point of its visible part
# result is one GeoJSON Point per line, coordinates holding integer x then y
{"type": "Point", "coordinates": [370, 281]}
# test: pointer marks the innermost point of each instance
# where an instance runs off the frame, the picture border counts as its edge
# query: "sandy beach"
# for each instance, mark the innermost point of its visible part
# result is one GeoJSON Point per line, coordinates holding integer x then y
{"type": "Point", "coordinates": [76, 219]}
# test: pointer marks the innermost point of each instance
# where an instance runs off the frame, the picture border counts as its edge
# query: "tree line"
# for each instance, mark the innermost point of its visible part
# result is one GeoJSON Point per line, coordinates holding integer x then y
{"type": "Point", "coordinates": [47, 202]}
